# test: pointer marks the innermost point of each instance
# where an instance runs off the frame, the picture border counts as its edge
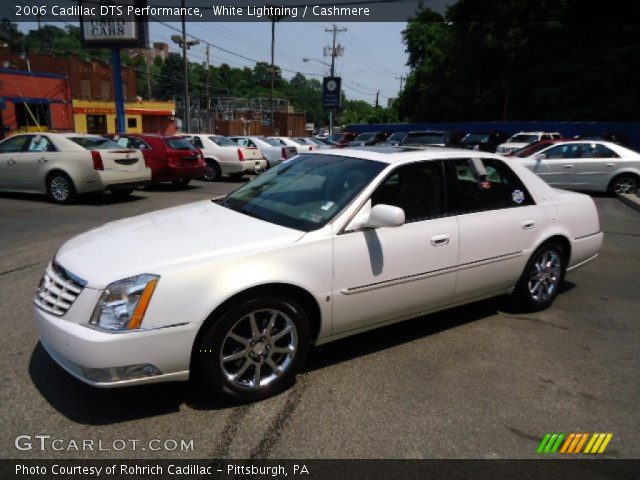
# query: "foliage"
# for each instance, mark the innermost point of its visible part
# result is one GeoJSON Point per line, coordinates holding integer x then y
{"type": "Point", "coordinates": [523, 60]}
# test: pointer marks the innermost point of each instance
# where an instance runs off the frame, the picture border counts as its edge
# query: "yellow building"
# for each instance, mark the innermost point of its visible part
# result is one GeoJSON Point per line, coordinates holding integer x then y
{"type": "Point", "coordinates": [91, 116]}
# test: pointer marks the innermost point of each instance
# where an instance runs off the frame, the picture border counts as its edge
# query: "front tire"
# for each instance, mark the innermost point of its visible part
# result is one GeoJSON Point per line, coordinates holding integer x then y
{"type": "Point", "coordinates": [254, 350]}
{"type": "Point", "coordinates": [60, 188]}
{"type": "Point", "coordinates": [624, 183]}
{"type": "Point", "coordinates": [542, 277]}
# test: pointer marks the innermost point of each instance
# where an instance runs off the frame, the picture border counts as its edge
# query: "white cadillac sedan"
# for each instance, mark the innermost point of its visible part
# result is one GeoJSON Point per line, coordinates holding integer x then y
{"type": "Point", "coordinates": [235, 290]}
{"type": "Point", "coordinates": [587, 165]}
{"type": "Point", "coordinates": [65, 165]}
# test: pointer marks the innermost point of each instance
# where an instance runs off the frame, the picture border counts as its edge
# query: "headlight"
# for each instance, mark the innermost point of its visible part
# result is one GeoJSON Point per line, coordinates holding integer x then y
{"type": "Point", "coordinates": [123, 303]}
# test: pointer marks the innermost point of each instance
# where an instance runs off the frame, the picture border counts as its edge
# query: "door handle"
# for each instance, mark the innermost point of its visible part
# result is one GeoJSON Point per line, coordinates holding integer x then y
{"type": "Point", "coordinates": [528, 224]}
{"type": "Point", "coordinates": [440, 240]}
{"type": "Point", "coordinates": [611, 164]}
{"type": "Point", "coordinates": [11, 161]}
{"type": "Point", "coordinates": [568, 167]}
{"type": "Point", "coordinates": [42, 160]}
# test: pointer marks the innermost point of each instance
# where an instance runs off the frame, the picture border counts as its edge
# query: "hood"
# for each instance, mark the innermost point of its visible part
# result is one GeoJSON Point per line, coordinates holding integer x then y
{"type": "Point", "coordinates": [158, 241]}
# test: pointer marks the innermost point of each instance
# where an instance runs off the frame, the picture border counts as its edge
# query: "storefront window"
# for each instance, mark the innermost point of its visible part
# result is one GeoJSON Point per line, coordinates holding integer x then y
{"type": "Point", "coordinates": [97, 124]}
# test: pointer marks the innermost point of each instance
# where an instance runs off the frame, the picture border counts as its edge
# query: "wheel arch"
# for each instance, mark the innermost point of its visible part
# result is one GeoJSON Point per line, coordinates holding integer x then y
{"type": "Point", "coordinates": [279, 290]}
{"type": "Point", "coordinates": [562, 239]}
{"type": "Point", "coordinates": [52, 172]}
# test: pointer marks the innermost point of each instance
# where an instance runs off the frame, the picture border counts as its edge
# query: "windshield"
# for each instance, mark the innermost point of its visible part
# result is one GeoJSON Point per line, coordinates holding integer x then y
{"type": "Point", "coordinates": [223, 141]}
{"type": "Point", "coordinates": [475, 138]}
{"type": "Point", "coordinates": [523, 138]}
{"type": "Point", "coordinates": [271, 141]}
{"type": "Point", "coordinates": [365, 137]}
{"type": "Point", "coordinates": [96, 143]}
{"type": "Point", "coordinates": [336, 137]}
{"type": "Point", "coordinates": [397, 137]}
{"type": "Point", "coordinates": [425, 137]}
{"type": "Point", "coordinates": [305, 192]}
{"type": "Point", "coordinates": [179, 143]}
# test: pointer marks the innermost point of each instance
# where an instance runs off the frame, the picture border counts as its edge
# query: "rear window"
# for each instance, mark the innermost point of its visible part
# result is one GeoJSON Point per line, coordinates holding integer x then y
{"type": "Point", "coordinates": [271, 141]}
{"type": "Point", "coordinates": [223, 141]}
{"type": "Point", "coordinates": [96, 143]}
{"type": "Point", "coordinates": [179, 143]}
{"type": "Point", "coordinates": [425, 138]}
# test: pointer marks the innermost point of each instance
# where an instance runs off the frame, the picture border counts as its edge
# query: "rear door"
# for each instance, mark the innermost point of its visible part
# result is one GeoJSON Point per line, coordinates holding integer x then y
{"type": "Point", "coordinates": [498, 221]}
{"type": "Point", "coordinates": [559, 165]}
{"type": "Point", "coordinates": [32, 165]}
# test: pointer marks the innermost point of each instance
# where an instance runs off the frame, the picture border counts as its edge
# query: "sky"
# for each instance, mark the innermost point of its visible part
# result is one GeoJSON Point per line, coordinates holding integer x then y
{"type": "Point", "coordinates": [374, 55]}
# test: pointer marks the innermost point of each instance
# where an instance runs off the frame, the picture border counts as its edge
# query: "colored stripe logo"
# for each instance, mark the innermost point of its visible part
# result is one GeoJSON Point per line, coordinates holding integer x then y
{"type": "Point", "coordinates": [591, 443]}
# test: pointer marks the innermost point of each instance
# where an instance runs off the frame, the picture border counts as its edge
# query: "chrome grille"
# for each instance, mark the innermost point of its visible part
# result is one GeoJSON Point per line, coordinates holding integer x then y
{"type": "Point", "coordinates": [58, 290]}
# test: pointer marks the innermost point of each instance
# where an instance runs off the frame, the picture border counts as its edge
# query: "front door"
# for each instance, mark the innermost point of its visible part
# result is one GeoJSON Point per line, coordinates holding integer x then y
{"type": "Point", "coordinates": [389, 273]}
{"type": "Point", "coordinates": [11, 156]}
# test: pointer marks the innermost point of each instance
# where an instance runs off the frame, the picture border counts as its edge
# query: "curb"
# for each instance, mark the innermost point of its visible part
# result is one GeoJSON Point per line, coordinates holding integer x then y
{"type": "Point", "coordinates": [631, 200]}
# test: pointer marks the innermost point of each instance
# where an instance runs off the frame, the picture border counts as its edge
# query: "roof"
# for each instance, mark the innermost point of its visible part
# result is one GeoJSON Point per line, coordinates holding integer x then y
{"type": "Point", "coordinates": [393, 155]}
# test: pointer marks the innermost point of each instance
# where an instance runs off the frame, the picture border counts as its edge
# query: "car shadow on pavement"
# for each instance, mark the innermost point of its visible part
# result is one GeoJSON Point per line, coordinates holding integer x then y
{"type": "Point", "coordinates": [92, 199]}
{"type": "Point", "coordinates": [94, 406]}
{"type": "Point", "coordinates": [170, 187]}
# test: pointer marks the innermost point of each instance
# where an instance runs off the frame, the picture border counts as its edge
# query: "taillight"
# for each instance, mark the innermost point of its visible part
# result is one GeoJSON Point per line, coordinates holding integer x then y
{"type": "Point", "coordinates": [240, 154]}
{"type": "Point", "coordinates": [284, 153]}
{"type": "Point", "coordinates": [97, 160]}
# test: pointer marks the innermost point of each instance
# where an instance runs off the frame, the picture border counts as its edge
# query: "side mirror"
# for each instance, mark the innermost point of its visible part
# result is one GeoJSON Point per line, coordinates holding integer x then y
{"type": "Point", "coordinates": [384, 216]}
{"type": "Point", "coordinates": [539, 157]}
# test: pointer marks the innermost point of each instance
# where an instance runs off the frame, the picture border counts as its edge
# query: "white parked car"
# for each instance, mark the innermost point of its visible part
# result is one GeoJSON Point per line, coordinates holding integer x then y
{"type": "Point", "coordinates": [64, 165]}
{"type": "Point", "coordinates": [299, 145]}
{"type": "Point", "coordinates": [587, 165]}
{"type": "Point", "coordinates": [226, 157]}
{"type": "Point", "coordinates": [329, 244]}
{"type": "Point", "coordinates": [522, 139]}
{"type": "Point", "coordinates": [272, 150]}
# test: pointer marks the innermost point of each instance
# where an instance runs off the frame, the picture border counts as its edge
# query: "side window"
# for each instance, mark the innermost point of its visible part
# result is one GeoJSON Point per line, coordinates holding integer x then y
{"type": "Point", "coordinates": [546, 137]}
{"type": "Point", "coordinates": [417, 188]}
{"type": "Point", "coordinates": [15, 144]}
{"type": "Point", "coordinates": [197, 142]}
{"type": "Point", "coordinates": [566, 150]}
{"type": "Point", "coordinates": [500, 188]}
{"type": "Point", "coordinates": [604, 152]}
{"type": "Point", "coordinates": [40, 144]}
{"type": "Point", "coordinates": [251, 144]}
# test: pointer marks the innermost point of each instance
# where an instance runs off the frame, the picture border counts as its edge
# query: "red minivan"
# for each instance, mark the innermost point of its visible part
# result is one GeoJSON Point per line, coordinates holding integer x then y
{"type": "Point", "coordinates": [171, 159]}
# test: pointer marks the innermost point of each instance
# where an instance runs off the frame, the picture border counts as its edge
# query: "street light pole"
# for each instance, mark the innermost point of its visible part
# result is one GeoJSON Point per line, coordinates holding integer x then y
{"type": "Point", "coordinates": [273, 45]}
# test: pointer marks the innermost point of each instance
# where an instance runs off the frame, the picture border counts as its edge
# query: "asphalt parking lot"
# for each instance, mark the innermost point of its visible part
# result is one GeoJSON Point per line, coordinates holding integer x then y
{"type": "Point", "coordinates": [482, 381]}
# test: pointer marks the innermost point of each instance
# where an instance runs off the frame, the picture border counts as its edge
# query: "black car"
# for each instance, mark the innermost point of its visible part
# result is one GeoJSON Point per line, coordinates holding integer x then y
{"type": "Point", "coordinates": [367, 139]}
{"type": "Point", "coordinates": [619, 138]}
{"type": "Point", "coordinates": [483, 141]}
{"type": "Point", "coordinates": [438, 138]}
{"type": "Point", "coordinates": [394, 139]}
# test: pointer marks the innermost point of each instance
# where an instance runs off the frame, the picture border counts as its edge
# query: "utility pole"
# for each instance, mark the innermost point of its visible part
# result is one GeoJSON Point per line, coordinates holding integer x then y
{"type": "Point", "coordinates": [185, 66]}
{"type": "Point", "coordinates": [207, 91]}
{"type": "Point", "coordinates": [335, 31]}
{"type": "Point", "coordinates": [146, 62]}
{"type": "Point", "coordinates": [274, 19]}
{"type": "Point", "coordinates": [401, 78]}
{"type": "Point", "coordinates": [377, 98]}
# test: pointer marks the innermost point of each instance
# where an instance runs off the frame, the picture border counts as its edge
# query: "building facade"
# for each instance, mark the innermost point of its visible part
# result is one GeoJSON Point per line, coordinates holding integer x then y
{"type": "Point", "coordinates": [34, 101]}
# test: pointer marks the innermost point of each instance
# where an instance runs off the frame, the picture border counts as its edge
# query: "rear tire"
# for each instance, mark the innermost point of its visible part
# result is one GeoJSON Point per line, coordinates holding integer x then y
{"type": "Point", "coordinates": [624, 183]}
{"type": "Point", "coordinates": [254, 350]}
{"type": "Point", "coordinates": [542, 278]}
{"type": "Point", "coordinates": [213, 171]}
{"type": "Point", "coordinates": [60, 188]}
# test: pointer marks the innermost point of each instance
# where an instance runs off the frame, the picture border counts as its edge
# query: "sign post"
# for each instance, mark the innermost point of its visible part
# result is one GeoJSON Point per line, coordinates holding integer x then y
{"type": "Point", "coordinates": [116, 30]}
{"type": "Point", "coordinates": [121, 126]}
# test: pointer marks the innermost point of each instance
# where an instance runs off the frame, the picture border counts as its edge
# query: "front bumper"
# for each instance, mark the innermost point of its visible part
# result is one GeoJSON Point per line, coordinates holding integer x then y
{"type": "Point", "coordinates": [85, 352]}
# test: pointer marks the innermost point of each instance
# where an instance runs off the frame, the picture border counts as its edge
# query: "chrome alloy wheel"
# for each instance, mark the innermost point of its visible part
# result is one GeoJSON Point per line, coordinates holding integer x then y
{"type": "Point", "coordinates": [625, 185]}
{"type": "Point", "coordinates": [259, 348]}
{"type": "Point", "coordinates": [60, 188]}
{"type": "Point", "coordinates": [545, 275]}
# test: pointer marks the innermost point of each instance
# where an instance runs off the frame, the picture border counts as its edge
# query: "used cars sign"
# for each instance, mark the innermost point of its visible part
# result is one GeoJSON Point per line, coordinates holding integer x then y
{"type": "Point", "coordinates": [110, 26]}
